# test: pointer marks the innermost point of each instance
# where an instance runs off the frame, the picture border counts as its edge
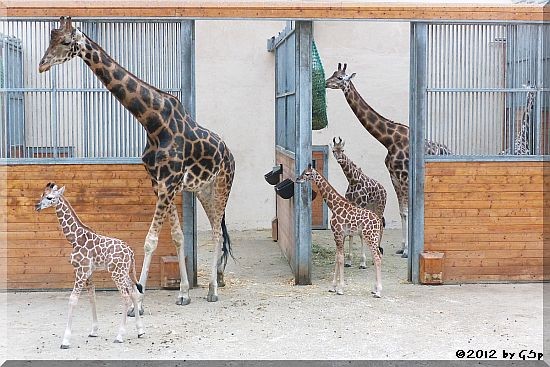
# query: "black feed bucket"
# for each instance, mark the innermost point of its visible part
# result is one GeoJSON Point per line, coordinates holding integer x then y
{"type": "Point", "coordinates": [285, 188]}
{"type": "Point", "coordinates": [273, 176]}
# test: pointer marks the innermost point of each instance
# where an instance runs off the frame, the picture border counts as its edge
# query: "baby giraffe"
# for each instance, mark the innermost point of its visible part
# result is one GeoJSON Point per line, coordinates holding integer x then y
{"type": "Point", "coordinates": [348, 219]}
{"type": "Point", "coordinates": [92, 251]}
{"type": "Point", "coordinates": [363, 191]}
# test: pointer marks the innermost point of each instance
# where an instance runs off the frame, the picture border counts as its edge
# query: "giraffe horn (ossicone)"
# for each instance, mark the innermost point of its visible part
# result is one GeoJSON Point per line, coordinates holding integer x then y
{"type": "Point", "coordinates": [339, 66]}
{"type": "Point", "coordinates": [345, 66]}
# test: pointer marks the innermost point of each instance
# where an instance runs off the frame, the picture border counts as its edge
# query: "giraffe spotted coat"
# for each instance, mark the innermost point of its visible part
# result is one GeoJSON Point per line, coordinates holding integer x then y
{"type": "Point", "coordinates": [180, 155]}
{"type": "Point", "coordinates": [91, 252]}
{"type": "Point", "coordinates": [348, 219]}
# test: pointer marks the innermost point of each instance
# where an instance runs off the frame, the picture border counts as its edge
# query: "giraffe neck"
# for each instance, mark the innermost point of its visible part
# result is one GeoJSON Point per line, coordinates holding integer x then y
{"type": "Point", "coordinates": [350, 169]}
{"type": "Point", "coordinates": [134, 94]}
{"type": "Point", "coordinates": [329, 193]}
{"type": "Point", "coordinates": [376, 124]}
{"type": "Point", "coordinates": [68, 220]}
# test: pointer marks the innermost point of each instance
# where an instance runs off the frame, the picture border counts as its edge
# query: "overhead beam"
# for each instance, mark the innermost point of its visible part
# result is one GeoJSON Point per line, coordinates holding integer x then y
{"type": "Point", "coordinates": [286, 9]}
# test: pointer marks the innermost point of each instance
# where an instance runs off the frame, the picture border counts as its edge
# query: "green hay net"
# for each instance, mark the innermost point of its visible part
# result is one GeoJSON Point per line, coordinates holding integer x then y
{"type": "Point", "coordinates": [319, 103]}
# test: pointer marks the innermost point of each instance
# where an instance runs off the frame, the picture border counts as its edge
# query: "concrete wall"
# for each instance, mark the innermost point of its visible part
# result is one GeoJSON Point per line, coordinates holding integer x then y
{"type": "Point", "coordinates": [235, 97]}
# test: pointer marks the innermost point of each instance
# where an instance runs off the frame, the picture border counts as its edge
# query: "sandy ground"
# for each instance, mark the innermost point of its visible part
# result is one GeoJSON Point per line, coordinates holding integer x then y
{"type": "Point", "coordinates": [262, 315]}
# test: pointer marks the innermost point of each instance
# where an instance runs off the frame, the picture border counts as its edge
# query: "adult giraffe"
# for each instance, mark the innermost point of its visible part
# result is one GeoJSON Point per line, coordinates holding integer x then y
{"type": "Point", "coordinates": [394, 136]}
{"type": "Point", "coordinates": [180, 155]}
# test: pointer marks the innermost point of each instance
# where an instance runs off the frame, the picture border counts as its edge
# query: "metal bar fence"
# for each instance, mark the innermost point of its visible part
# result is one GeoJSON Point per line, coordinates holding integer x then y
{"type": "Point", "coordinates": [67, 115]}
{"type": "Point", "coordinates": [478, 80]}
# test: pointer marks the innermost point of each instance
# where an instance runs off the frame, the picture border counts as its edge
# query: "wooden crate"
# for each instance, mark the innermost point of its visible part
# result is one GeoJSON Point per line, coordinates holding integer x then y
{"type": "Point", "coordinates": [431, 267]}
{"type": "Point", "coordinates": [169, 272]}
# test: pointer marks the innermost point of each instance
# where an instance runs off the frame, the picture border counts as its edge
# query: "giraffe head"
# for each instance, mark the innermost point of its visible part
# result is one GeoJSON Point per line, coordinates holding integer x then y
{"type": "Point", "coordinates": [338, 149]}
{"type": "Point", "coordinates": [50, 196]}
{"type": "Point", "coordinates": [65, 43]}
{"type": "Point", "coordinates": [339, 79]}
{"type": "Point", "coordinates": [307, 175]}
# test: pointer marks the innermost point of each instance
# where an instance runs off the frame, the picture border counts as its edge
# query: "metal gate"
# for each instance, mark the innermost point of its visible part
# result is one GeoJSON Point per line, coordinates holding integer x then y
{"type": "Point", "coordinates": [292, 48]}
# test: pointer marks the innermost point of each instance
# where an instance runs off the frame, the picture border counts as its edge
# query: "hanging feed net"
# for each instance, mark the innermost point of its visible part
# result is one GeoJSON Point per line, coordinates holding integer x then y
{"type": "Point", "coordinates": [318, 93]}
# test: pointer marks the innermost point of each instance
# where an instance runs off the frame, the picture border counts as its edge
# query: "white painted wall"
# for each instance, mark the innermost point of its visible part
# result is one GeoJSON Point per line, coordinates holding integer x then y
{"type": "Point", "coordinates": [235, 98]}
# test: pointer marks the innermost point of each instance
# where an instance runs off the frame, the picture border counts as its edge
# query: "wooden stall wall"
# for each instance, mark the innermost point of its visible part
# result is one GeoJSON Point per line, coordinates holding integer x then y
{"type": "Point", "coordinates": [487, 219]}
{"type": "Point", "coordinates": [113, 199]}
{"type": "Point", "coordinates": [285, 211]}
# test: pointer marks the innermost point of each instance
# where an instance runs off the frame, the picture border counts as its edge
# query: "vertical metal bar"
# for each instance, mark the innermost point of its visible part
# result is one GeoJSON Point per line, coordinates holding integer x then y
{"type": "Point", "coordinates": [187, 45]}
{"type": "Point", "coordinates": [536, 118]}
{"type": "Point", "coordinates": [417, 103]}
{"type": "Point", "coordinates": [302, 191]}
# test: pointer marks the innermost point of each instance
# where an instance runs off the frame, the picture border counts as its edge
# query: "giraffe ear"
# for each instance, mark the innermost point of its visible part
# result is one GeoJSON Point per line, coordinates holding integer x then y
{"type": "Point", "coordinates": [349, 77]}
{"type": "Point", "coordinates": [61, 190]}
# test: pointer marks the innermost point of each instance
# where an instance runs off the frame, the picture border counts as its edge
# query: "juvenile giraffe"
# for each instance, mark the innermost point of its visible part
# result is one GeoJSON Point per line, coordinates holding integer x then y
{"type": "Point", "coordinates": [363, 191]}
{"type": "Point", "coordinates": [521, 142]}
{"type": "Point", "coordinates": [348, 219]}
{"type": "Point", "coordinates": [395, 138]}
{"type": "Point", "coordinates": [91, 252]}
{"type": "Point", "coordinates": [180, 155]}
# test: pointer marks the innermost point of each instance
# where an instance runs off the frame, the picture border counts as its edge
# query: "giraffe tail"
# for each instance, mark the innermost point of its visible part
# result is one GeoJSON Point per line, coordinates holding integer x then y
{"type": "Point", "coordinates": [226, 247]}
{"type": "Point", "coordinates": [134, 278]}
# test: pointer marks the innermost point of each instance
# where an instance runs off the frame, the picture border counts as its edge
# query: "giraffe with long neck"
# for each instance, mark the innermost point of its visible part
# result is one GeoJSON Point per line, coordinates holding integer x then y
{"type": "Point", "coordinates": [91, 252]}
{"type": "Point", "coordinates": [393, 136]}
{"type": "Point", "coordinates": [521, 142]}
{"type": "Point", "coordinates": [348, 219]}
{"type": "Point", "coordinates": [180, 155]}
{"type": "Point", "coordinates": [363, 191]}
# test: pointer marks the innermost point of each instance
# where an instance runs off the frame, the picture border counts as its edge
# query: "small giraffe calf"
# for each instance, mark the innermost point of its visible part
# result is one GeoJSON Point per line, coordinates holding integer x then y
{"type": "Point", "coordinates": [347, 220]}
{"type": "Point", "coordinates": [92, 251]}
{"type": "Point", "coordinates": [363, 191]}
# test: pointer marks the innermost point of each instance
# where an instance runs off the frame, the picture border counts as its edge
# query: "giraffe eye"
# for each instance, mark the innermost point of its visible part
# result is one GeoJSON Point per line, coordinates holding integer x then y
{"type": "Point", "coordinates": [66, 43]}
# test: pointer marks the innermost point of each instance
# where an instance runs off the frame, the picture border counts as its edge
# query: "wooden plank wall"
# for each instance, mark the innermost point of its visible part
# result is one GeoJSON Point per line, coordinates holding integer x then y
{"type": "Point", "coordinates": [287, 9]}
{"type": "Point", "coordinates": [115, 200]}
{"type": "Point", "coordinates": [285, 211]}
{"type": "Point", "coordinates": [487, 217]}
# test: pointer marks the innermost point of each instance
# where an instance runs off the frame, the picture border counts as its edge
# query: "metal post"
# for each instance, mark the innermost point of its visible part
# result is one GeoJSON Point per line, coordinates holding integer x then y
{"type": "Point", "coordinates": [302, 192]}
{"type": "Point", "coordinates": [417, 122]}
{"type": "Point", "coordinates": [189, 221]}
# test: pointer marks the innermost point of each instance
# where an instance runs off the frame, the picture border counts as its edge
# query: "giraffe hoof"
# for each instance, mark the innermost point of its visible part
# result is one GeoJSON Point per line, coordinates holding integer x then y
{"type": "Point", "coordinates": [212, 298]}
{"type": "Point", "coordinates": [92, 335]}
{"type": "Point", "coordinates": [362, 266]}
{"type": "Point", "coordinates": [332, 290]}
{"type": "Point", "coordinates": [140, 335]}
{"type": "Point", "coordinates": [404, 255]}
{"type": "Point", "coordinates": [399, 252]}
{"type": "Point", "coordinates": [183, 301]}
{"type": "Point", "coordinates": [376, 295]}
{"type": "Point", "coordinates": [339, 292]}
{"type": "Point", "coordinates": [64, 346]}
{"type": "Point", "coordinates": [221, 283]}
{"type": "Point", "coordinates": [347, 265]}
{"type": "Point", "coordinates": [117, 341]}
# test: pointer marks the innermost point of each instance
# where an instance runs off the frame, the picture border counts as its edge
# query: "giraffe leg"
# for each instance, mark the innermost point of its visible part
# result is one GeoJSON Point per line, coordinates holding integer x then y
{"type": "Point", "coordinates": [340, 262]}
{"type": "Point", "coordinates": [403, 211]}
{"type": "Point", "coordinates": [213, 285]}
{"type": "Point", "coordinates": [347, 263]}
{"type": "Point", "coordinates": [135, 301]}
{"type": "Point", "coordinates": [374, 243]}
{"type": "Point", "coordinates": [81, 276]}
{"type": "Point", "coordinates": [90, 287]}
{"type": "Point", "coordinates": [405, 232]}
{"type": "Point", "coordinates": [338, 280]}
{"type": "Point", "coordinates": [164, 201]}
{"type": "Point", "coordinates": [122, 328]}
{"type": "Point", "coordinates": [177, 238]}
{"type": "Point", "coordinates": [363, 263]}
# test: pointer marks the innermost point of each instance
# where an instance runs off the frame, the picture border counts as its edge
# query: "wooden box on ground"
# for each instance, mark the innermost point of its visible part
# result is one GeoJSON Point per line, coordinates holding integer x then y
{"type": "Point", "coordinates": [169, 272]}
{"type": "Point", "coordinates": [431, 267]}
